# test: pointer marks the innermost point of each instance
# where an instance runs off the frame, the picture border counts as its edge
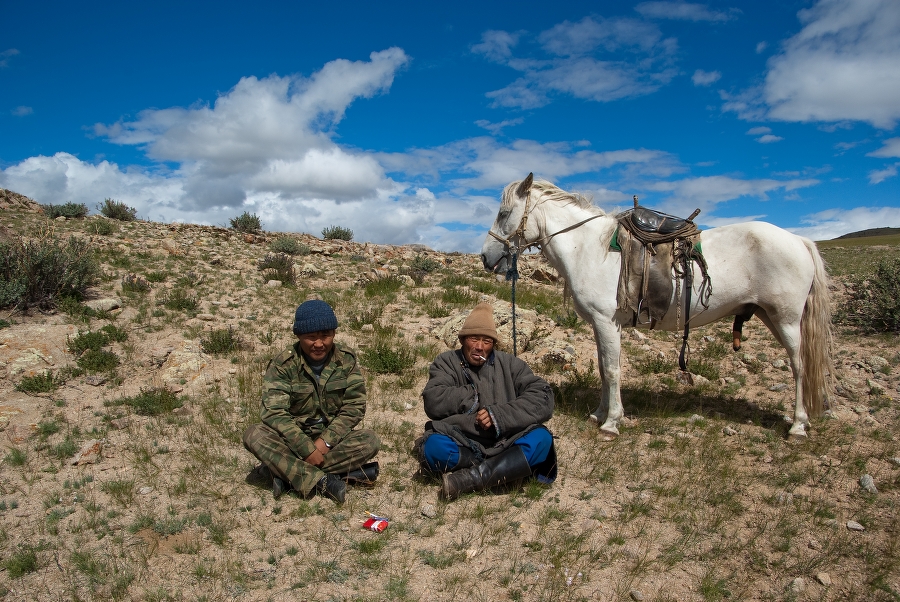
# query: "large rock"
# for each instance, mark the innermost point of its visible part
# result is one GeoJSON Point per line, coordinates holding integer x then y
{"type": "Point", "coordinates": [527, 330]}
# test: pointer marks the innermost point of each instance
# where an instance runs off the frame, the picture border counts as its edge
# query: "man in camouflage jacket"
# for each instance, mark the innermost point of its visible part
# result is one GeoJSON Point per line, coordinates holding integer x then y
{"type": "Point", "coordinates": [313, 396]}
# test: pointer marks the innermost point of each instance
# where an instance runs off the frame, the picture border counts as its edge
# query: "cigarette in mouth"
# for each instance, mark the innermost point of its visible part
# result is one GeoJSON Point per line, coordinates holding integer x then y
{"type": "Point", "coordinates": [480, 357]}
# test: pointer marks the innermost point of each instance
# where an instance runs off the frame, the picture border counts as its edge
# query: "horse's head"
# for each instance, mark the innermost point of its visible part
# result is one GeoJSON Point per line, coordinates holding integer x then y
{"type": "Point", "coordinates": [508, 229]}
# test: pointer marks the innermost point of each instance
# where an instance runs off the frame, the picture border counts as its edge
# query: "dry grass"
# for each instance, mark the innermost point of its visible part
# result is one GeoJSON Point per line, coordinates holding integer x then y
{"type": "Point", "coordinates": [674, 508]}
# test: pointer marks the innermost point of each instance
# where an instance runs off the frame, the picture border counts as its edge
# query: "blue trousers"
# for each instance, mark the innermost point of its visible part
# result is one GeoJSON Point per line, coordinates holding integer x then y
{"type": "Point", "coordinates": [442, 453]}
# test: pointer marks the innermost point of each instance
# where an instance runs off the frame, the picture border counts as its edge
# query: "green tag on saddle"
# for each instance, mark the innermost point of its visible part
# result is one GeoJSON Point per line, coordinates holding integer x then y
{"type": "Point", "coordinates": [614, 243]}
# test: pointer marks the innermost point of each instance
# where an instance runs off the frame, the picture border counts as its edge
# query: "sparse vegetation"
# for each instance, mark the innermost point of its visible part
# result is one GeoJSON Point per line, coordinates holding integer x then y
{"type": "Point", "coordinates": [874, 301]}
{"type": "Point", "coordinates": [289, 245]}
{"type": "Point", "coordinates": [117, 210]}
{"type": "Point", "coordinates": [700, 492]}
{"type": "Point", "coordinates": [278, 266]}
{"type": "Point", "coordinates": [45, 382]}
{"type": "Point", "coordinates": [337, 233]}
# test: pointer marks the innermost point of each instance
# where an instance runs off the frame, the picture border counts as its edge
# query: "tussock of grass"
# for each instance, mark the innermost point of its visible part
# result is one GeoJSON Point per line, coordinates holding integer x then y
{"type": "Point", "coordinates": [151, 402]}
{"type": "Point", "coordinates": [45, 382]}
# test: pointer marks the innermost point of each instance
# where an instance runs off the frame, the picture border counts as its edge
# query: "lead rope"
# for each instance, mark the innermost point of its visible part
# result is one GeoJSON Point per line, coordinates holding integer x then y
{"type": "Point", "coordinates": [512, 274]}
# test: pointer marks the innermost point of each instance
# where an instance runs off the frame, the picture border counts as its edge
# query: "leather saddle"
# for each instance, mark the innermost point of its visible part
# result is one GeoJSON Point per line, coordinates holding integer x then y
{"type": "Point", "coordinates": [648, 220]}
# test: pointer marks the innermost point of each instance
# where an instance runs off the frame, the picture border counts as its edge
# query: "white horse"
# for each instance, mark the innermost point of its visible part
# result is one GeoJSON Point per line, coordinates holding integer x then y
{"type": "Point", "coordinates": [753, 267]}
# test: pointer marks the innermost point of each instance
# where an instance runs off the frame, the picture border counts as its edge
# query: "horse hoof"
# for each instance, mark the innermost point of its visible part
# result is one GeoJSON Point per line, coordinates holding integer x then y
{"type": "Point", "coordinates": [593, 419]}
{"type": "Point", "coordinates": [797, 437]}
{"type": "Point", "coordinates": [608, 434]}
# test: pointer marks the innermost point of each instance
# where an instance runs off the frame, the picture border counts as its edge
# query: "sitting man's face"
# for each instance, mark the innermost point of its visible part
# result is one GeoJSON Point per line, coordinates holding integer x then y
{"type": "Point", "coordinates": [317, 345]}
{"type": "Point", "coordinates": [476, 349]}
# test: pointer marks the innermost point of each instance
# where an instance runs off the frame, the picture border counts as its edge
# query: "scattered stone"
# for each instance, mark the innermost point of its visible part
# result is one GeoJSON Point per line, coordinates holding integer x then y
{"type": "Point", "coordinates": [428, 511]}
{"type": "Point", "coordinates": [824, 579]}
{"type": "Point", "coordinates": [88, 454]}
{"type": "Point", "coordinates": [95, 380]}
{"type": "Point", "coordinates": [896, 461]}
{"type": "Point", "coordinates": [206, 317]}
{"type": "Point", "coordinates": [145, 490]}
{"type": "Point", "coordinates": [184, 410]}
{"type": "Point", "coordinates": [855, 526]}
{"type": "Point", "coordinates": [274, 283]}
{"type": "Point", "coordinates": [729, 431]}
{"type": "Point", "coordinates": [695, 418]}
{"type": "Point", "coordinates": [874, 387]}
{"type": "Point", "coordinates": [875, 362]}
{"type": "Point", "coordinates": [778, 388]}
{"type": "Point", "coordinates": [814, 544]}
{"type": "Point", "coordinates": [541, 275]}
{"type": "Point", "coordinates": [784, 498]}
{"type": "Point", "coordinates": [106, 304]}
{"type": "Point", "coordinates": [636, 595]}
{"type": "Point", "coordinates": [868, 483]}
{"type": "Point", "coordinates": [120, 423]}
{"type": "Point", "coordinates": [798, 585]}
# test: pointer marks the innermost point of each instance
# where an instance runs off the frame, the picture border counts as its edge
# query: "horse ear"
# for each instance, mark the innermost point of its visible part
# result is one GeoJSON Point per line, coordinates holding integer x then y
{"type": "Point", "coordinates": [525, 186]}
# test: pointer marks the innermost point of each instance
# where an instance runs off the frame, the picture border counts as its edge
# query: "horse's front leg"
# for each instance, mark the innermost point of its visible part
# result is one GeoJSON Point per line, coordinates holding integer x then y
{"type": "Point", "coordinates": [609, 345]}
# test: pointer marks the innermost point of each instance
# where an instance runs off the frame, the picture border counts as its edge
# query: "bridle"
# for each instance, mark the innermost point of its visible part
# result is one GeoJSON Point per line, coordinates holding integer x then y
{"type": "Point", "coordinates": [512, 250]}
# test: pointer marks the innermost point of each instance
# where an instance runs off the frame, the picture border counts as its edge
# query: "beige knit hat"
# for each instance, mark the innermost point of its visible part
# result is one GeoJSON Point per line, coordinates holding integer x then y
{"type": "Point", "coordinates": [480, 322]}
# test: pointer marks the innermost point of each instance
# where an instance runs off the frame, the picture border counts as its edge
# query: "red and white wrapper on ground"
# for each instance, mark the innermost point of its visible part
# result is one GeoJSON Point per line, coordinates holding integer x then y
{"type": "Point", "coordinates": [375, 523]}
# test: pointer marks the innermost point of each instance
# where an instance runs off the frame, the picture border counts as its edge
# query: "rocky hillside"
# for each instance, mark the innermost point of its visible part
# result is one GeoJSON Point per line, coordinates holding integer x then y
{"type": "Point", "coordinates": [124, 477]}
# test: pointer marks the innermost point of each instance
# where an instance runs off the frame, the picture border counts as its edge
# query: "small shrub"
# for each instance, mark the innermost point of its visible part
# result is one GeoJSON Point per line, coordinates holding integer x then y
{"type": "Point", "coordinates": [384, 358]}
{"type": "Point", "coordinates": [422, 263]}
{"type": "Point", "coordinates": [132, 283]}
{"type": "Point", "coordinates": [289, 245]}
{"type": "Point", "coordinates": [4, 324]}
{"type": "Point", "coordinates": [653, 364]}
{"type": "Point", "coordinates": [383, 287]}
{"type": "Point", "coordinates": [42, 271]}
{"type": "Point", "coordinates": [40, 383]}
{"type": "Point", "coordinates": [457, 296]}
{"type": "Point", "coordinates": [98, 360]}
{"type": "Point", "coordinates": [69, 210]}
{"type": "Point", "coordinates": [704, 367]}
{"type": "Point", "coordinates": [101, 227]}
{"type": "Point", "coordinates": [369, 315]}
{"type": "Point", "coordinates": [21, 562]}
{"type": "Point", "coordinates": [337, 233]}
{"type": "Point", "coordinates": [221, 341]}
{"type": "Point", "coordinates": [16, 457]}
{"type": "Point", "coordinates": [278, 266]}
{"type": "Point", "coordinates": [246, 222]}
{"type": "Point", "coordinates": [181, 300]}
{"type": "Point", "coordinates": [874, 301]}
{"type": "Point", "coordinates": [117, 210]}
{"type": "Point", "coordinates": [96, 340]}
{"type": "Point", "coordinates": [157, 276]}
{"type": "Point", "coordinates": [152, 402]}
{"type": "Point", "coordinates": [567, 320]}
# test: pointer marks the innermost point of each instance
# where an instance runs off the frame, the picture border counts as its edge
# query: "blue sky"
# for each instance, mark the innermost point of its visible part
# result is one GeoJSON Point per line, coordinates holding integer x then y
{"type": "Point", "coordinates": [403, 121]}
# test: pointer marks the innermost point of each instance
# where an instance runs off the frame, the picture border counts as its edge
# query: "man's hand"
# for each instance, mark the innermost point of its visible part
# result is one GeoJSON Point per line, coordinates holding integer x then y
{"type": "Point", "coordinates": [483, 419]}
{"type": "Point", "coordinates": [316, 458]}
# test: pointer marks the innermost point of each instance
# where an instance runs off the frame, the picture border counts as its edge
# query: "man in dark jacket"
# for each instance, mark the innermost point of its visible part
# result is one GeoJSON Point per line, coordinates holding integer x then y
{"type": "Point", "coordinates": [487, 410]}
{"type": "Point", "coordinates": [314, 394]}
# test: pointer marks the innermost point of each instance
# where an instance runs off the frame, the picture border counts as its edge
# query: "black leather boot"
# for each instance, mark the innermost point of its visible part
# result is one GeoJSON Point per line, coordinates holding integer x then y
{"type": "Point", "coordinates": [332, 486]}
{"type": "Point", "coordinates": [509, 466]}
{"type": "Point", "coordinates": [364, 475]}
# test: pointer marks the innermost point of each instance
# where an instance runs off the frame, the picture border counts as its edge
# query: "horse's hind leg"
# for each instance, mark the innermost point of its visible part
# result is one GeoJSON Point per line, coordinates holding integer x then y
{"type": "Point", "coordinates": [609, 344]}
{"type": "Point", "coordinates": [788, 334]}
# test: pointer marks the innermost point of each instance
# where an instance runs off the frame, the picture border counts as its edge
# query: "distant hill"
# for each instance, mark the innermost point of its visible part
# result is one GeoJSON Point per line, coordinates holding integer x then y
{"type": "Point", "coordinates": [870, 232]}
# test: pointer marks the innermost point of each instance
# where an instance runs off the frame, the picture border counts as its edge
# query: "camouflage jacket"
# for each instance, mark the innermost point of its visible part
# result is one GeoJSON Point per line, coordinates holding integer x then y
{"type": "Point", "coordinates": [302, 409]}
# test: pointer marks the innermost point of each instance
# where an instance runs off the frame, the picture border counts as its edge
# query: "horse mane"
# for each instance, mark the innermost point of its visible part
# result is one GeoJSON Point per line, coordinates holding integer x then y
{"type": "Point", "coordinates": [551, 192]}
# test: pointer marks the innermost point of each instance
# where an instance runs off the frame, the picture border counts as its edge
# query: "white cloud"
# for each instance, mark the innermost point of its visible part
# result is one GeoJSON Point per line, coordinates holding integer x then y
{"type": "Point", "coordinates": [6, 55]}
{"type": "Point", "coordinates": [759, 130]}
{"type": "Point", "coordinates": [496, 128]}
{"type": "Point", "coordinates": [890, 149]}
{"type": "Point", "coordinates": [707, 192]}
{"type": "Point", "coordinates": [22, 111]}
{"type": "Point", "coordinates": [684, 11]}
{"type": "Point", "coordinates": [761, 47]}
{"type": "Point", "coordinates": [594, 59]}
{"type": "Point", "coordinates": [769, 139]}
{"type": "Point", "coordinates": [705, 78]}
{"type": "Point", "coordinates": [880, 175]}
{"type": "Point", "coordinates": [843, 65]}
{"type": "Point", "coordinates": [829, 224]}
{"type": "Point", "coordinates": [496, 45]}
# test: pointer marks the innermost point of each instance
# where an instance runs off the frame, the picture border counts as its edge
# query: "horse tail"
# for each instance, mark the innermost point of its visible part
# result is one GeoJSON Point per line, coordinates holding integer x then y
{"type": "Point", "coordinates": [816, 342]}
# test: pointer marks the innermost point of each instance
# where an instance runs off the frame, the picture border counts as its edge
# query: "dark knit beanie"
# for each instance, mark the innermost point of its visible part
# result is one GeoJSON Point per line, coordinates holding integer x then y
{"type": "Point", "coordinates": [480, 322]}
{"type": "Point", "coordinates": [313, 316]}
